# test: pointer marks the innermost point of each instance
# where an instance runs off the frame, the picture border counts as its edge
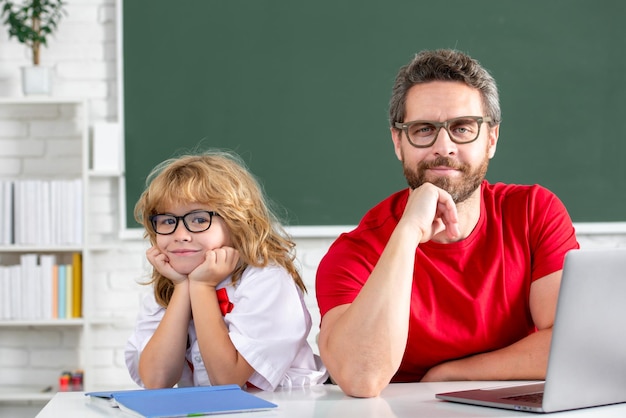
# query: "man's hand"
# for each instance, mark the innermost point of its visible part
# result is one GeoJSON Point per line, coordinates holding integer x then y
{"type": "Point", "coordinates": [442, 373]}
{"type": "Point", "coordinates": [432, 210]}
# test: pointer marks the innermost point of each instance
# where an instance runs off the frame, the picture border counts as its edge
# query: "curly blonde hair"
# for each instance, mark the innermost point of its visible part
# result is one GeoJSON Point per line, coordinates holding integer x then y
{"type": "Point", "coordinates": [221, 180]}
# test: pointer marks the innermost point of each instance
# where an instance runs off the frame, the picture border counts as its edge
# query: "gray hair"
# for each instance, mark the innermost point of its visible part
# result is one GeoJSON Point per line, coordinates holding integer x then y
{"type": "Point", "coordinates": [444, 65]}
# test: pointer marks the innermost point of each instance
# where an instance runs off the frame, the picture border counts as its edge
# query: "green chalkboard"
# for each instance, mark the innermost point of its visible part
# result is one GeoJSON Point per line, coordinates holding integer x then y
{"type": "Point", "coordinates": [300, 90]}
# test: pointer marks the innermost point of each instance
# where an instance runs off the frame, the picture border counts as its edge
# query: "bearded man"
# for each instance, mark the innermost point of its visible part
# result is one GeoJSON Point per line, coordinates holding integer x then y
{"type": "Point", "coordinates": [453, 278]}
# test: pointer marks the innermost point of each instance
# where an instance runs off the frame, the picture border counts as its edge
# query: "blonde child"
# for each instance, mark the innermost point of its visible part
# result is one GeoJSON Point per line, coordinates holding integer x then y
{"type": "Point", "coordinates": [227, 305]}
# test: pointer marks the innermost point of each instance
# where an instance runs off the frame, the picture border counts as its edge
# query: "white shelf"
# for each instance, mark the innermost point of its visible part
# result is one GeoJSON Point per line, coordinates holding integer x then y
{"type": "Point", "coordinates": [77, 333]}
{"type": "Point", "coordinates": [46, 100]}
{"type": "Point", "coordinates": [72, 322]}
{"type": "Point", "coordinates": [105, 174]}
{"type": "Point", "coordinates": [40, 249]}
{"type": "Point", "coordinates": [26, 393]}
{"type": "Point", "coordinates": [52, 323]}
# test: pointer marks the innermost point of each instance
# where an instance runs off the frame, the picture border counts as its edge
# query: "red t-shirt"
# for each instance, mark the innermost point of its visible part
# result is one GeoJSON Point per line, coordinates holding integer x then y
{"type": "Point", "coordinates": [470, 296]}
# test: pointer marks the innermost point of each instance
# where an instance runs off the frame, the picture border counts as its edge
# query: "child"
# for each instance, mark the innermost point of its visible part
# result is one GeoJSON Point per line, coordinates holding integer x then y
{"type": "Point", "coordinates": [227, 306]}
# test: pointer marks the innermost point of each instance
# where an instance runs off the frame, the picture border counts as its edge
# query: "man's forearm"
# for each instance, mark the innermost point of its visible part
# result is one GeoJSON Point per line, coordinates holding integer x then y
{"type": "Point", "coordinates": [527, 359]}
{"type": "Point", "coordinates": [362, 344]}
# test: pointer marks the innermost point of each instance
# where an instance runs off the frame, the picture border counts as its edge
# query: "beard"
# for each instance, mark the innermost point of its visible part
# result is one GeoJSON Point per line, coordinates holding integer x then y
{"type": "Point", "coordinates": [460, 189]}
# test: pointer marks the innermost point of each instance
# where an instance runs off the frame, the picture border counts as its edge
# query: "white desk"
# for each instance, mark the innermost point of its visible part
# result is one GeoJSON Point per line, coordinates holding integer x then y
{"type": "Point", "coordinates": [397, 400]}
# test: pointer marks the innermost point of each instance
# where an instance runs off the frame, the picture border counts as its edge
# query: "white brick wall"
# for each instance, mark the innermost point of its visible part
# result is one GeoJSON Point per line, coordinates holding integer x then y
{"type": "Point", "coordinates": [84, 58]}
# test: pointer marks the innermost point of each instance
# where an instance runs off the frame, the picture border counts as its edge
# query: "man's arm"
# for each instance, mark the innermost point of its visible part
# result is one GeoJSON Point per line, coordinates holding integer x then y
{"type": "Point", "coordinates": [527, 359]}
{"type": "Point", "coordinates": [362, 343]}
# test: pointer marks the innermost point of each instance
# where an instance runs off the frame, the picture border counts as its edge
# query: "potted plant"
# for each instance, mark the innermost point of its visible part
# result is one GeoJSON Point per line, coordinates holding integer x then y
{"type": "Point", "coordinates": [31, 22]}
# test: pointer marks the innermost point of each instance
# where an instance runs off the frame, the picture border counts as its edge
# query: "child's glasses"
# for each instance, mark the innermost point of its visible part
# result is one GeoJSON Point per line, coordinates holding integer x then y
{"type": "Point", "coordinates": [196, 221]}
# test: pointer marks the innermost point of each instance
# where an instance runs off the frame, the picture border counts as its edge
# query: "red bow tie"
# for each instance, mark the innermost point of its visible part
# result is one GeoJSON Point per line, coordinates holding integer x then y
{"type": "Point", "coordinates": [222, 298]}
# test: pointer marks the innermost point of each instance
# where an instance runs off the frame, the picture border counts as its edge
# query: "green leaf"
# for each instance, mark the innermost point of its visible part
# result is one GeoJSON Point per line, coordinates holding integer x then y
{"type": "Point", "coordinates": [20, 19]}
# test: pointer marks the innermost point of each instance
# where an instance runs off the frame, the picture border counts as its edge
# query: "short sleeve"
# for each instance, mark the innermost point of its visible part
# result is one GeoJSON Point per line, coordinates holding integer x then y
{"type": "Point", "coordinates": [148, 319]}
{"type": "Point", "coordinates": [552, 233]}
{"type": "Point", "coordinates": [268, 324]}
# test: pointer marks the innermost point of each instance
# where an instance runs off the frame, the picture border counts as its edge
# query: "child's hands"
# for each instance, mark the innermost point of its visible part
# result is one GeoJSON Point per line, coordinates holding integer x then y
{"type": "Point", "coordinates": [162, 264]}
{"type": "Point", "coordinates": [218, 264]}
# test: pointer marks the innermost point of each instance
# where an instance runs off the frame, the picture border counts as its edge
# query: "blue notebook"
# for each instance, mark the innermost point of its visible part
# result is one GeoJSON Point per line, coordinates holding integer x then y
{"type": "Point", "coordinates": [183, 402]}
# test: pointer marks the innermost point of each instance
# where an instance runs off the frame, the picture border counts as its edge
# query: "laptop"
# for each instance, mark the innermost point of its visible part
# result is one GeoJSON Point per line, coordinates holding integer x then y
{"type": "Point", "coordinates": [587, 360]}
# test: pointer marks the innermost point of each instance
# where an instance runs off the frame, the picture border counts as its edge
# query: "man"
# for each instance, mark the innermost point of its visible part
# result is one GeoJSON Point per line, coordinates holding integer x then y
{"type": "Point", "coordinates": [454, 278]}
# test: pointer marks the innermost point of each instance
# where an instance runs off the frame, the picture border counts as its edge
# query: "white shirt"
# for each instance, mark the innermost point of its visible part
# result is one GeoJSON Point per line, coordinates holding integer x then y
{"type": "Point", "coordinates": [268, 326]}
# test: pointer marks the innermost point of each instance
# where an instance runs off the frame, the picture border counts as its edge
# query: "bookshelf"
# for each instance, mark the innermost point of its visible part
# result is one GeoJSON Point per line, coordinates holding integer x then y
{"type": "Point", "coordinates": [49, 140]}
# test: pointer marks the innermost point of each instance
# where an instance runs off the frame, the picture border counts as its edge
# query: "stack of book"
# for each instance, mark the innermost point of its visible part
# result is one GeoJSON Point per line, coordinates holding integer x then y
{"type": "Point", "coordinates": [40, 288]}
{"type": "Point", "coordinates": [41, 212]}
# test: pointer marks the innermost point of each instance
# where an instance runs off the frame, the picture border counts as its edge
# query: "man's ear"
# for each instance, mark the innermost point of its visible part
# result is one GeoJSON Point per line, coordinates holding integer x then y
{"type": "Point", "coordinates": [396, 137]}
{"type": "Point", "coordinates": [494, 133]}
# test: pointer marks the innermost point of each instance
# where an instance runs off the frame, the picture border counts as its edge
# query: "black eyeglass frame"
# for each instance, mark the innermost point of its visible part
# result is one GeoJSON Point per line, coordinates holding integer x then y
{"type": "Point", "coordinates": [438, 125]}
{"type": "Point", "coordinates": [182, 218]}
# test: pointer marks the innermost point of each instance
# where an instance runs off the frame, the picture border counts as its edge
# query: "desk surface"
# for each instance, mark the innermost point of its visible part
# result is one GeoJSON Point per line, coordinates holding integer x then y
{"type": "Point", "coordinates": [397, 400]}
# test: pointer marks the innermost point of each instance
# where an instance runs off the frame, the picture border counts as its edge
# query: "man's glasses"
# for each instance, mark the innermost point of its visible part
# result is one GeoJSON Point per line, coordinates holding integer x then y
{"type": "Point", "coordinates": [196, 221]}
{"type": "Point", "coordinates": [462, 130]}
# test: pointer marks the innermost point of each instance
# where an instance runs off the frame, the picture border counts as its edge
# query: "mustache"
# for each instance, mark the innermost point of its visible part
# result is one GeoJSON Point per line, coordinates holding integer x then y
{"type": "Point", "coordinates": [441, 162]}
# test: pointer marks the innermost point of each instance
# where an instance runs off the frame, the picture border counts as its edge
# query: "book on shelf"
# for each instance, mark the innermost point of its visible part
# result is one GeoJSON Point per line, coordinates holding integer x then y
{"type": "Point", "coordinates": [11, 291]}
{"type": "Point", "coordinates": [41, 212]}
{"type": "Point", "coordinates": [47, 263]}
{"type": "Point", "coordinates": [62, 292]}
{"type": "Point", "coordinates": [77, 285]}
{"type": "Point", "coordinates": [15, 289]}
{"type": "Point", "coordinates": [182, 402]}
{"type": "Point", "coordinates": [31, 290]}
{"type": "Point", "coordinates": [41, 288]}
{"type": "Point", "coordinates": [6, 212]}
{"type": "Point", "coordinates": [55, 292]}
{"type": "Point", "coordinates": [69, 290]}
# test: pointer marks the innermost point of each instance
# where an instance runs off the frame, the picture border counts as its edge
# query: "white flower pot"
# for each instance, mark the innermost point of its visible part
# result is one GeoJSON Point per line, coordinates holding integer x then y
{"type": "Point", "coordinates": [36, 80]}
